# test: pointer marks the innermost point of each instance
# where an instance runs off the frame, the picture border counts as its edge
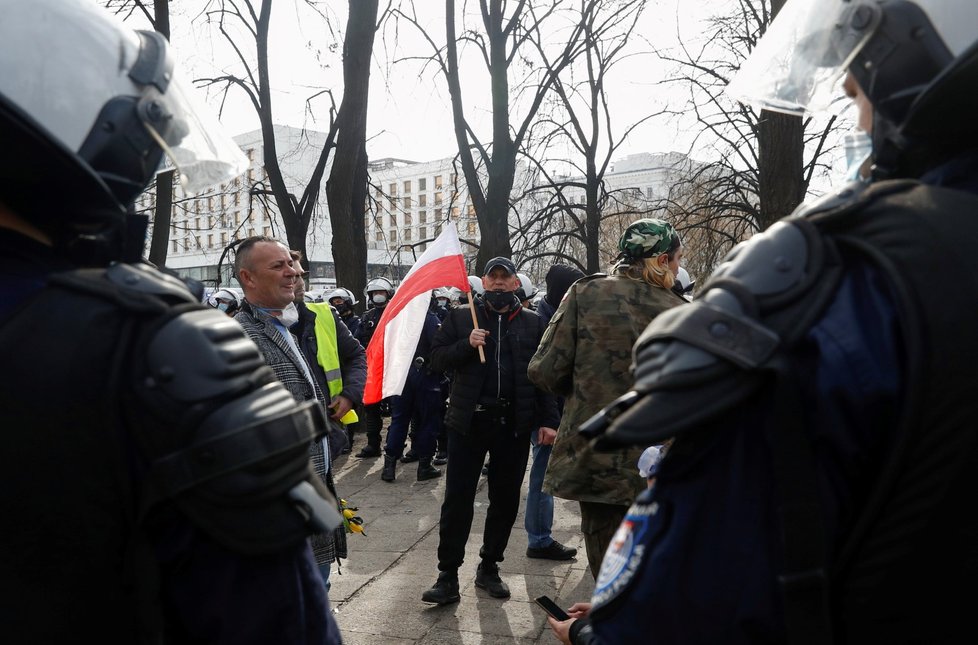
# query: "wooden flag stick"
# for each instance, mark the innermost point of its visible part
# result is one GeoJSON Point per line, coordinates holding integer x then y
{"type": "Point", "coordinates": [475, 324]}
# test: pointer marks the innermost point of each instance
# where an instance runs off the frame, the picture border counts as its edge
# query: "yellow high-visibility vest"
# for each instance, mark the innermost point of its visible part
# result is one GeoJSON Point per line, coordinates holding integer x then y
{"type": "Point", "coordinates": [327, 354]}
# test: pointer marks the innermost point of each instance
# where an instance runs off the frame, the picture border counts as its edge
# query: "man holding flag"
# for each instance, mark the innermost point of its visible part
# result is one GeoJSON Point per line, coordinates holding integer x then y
{"type": "Point", "coordinates": [493, 408]}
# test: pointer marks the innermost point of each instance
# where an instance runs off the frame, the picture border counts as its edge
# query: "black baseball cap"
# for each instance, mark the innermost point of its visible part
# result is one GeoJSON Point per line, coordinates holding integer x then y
{"type": "Point", "coordinates": [505, 263]}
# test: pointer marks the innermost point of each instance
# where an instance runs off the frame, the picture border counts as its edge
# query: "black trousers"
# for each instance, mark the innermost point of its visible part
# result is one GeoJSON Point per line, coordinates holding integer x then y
{"type": "Point", "coordinates": [507, 465]}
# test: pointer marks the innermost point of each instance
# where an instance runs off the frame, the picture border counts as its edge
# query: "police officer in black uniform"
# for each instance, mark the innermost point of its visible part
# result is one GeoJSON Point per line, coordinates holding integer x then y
{"type": "Point", "coordinates": [156, 479]}
{"type": "Point", "coordinates": [379, 292]}
{"type": "Point", "coordinates": [823, 388]}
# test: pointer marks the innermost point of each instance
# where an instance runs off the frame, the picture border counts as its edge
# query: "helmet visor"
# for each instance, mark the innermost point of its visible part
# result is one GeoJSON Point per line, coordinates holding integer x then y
{"type": "Point", "coordinates": [197, 145]}
{"type": "Point", "coordinates": [798, 64]}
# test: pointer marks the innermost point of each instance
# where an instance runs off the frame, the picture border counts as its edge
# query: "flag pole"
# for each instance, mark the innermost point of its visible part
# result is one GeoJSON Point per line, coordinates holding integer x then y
{"type": "Point", "coordinates": [475, 324]}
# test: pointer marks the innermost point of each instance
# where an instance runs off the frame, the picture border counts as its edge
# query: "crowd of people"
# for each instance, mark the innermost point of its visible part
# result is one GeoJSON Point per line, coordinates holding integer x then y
{"type": "Point", "coordinates": [791, 463]}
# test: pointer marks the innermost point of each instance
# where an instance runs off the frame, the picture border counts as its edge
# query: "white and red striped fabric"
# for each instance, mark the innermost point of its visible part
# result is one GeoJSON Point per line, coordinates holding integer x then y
{"type": "Point", "coordinates": [391, 349]}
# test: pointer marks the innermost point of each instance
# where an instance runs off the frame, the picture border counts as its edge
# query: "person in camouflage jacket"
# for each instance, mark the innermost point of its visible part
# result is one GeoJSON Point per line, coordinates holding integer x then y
{"type": "Point", "coordinates": [585, 355]}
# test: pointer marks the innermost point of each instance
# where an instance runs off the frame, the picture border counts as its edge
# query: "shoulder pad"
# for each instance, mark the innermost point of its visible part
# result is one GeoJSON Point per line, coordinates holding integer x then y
{"type": "Point", "coordinates": [142, 278]}
{"type": "Point", "coordinates": [226, 442]}
{"type": "Point", "coordinates": [694, 362]}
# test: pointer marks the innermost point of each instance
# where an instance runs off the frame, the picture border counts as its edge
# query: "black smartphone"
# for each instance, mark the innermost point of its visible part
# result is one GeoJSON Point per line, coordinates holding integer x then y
{"type": "Point", "coordinates": [551, 607]}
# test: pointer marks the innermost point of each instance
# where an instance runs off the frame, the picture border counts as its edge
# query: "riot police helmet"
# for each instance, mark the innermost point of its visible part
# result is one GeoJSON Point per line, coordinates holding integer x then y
{"type": "Point", "coordinates": [913, 59]}
{"type": "Point", "coordinates": [91, 107]}
{"type": "Point", "coordinates": [224, 300]}
{"type": "Point", "coordinates": [379, 291]}
{"type": "Point", "coordinates": [526, 290]}
{"type": "Point", "coordinates": [342, 295]}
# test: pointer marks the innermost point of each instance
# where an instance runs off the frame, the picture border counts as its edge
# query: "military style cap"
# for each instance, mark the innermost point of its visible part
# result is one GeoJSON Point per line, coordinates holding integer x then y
{"type": "Point", "coordinates": [646, 238]}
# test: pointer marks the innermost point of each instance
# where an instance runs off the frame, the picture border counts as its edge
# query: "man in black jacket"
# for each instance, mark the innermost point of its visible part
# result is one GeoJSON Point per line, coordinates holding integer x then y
{"type": "Point", "coordinates": [492, 409]}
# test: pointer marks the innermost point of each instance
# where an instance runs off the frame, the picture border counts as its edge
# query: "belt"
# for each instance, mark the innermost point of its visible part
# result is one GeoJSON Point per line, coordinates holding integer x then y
{"type": "Point", "coordinates": [500, 404]}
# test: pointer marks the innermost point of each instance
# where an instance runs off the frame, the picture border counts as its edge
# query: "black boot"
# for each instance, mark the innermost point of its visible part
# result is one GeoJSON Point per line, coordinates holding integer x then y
{"type": "Point", "coordinates": [487, 577]}
{"type": "Point", "coordinates": [445, 590]}
{"type": "Point", "coordinates": [390, 463]}
{"type": "Point", "coordinates": [426, 470]}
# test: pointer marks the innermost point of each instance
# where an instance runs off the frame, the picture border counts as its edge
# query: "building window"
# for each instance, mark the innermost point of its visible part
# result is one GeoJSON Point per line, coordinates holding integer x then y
{"type": "Point", "coordinates": [437, 214]}
{"type": "Point", "coordinates": [392, 236]}
{"type": "Point", "coordinates": [437, 182]}
{"type": "Point", "coordinates": [455, 213]}
{"type": "Point", "coordinates": [266, 231]}
{"type": "Point", "coordinates": [471, 227]}
{"type": "Point", "coordinates": [379, 236]}
{"type": "Point", "coordinates": [407, 203]}
{"type": "Point", "coordinates": [237, 198]}
{"type": "Point", "coordinates": [423, 232]}
{"type": "Point", "coordinates": [407, 234]}
{"type": "Point", "coordinates": [471, 210]}
{"type": "Point", "coordinates": [422, 200]}
{"type": "Point", "coordinates": [392, 189]}
{"type": "Point", "coordinates": [210, 240]}
{"type": "Point", "coordinates": [422, 184]}
{"type": "Point", "coordinates": [437, 230]}
{"type": "Point", "coordinates": [394, 220]}
{"type": "Point", "coordinates": [423, 216]}
{"type": "Point", "coordinates": [393, 202]}
{"type": "Point", "coordinates": [173, 246]}
{"type": "Point", "coordinates": [224, 238]}
{"type": "Point", "coordinates": [407, 219]}
{"type": "Point", "coordinates": [407, 186]}
{"type": "Point", "coordinates": [437, 198]}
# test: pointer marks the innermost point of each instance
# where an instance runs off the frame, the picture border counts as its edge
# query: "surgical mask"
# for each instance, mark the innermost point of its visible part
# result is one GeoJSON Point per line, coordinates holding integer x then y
{"type": "Point", "coordinates": [499, 300]}
{"type": "Point", "coordinates": [223, 306]}
{"type": "Point", "coordinates": [290, 315]}
{"type": "Point", "coordinates": [378, 298]}
{"type": "Point", "coordinates": [858, 146]}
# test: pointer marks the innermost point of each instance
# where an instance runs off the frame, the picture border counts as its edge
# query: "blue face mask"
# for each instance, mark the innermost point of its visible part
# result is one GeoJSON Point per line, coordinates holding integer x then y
{"type": "Point", "coordinates": [859, 148]}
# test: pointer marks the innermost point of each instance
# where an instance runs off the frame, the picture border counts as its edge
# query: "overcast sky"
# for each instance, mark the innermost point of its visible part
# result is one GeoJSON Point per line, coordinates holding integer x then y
{"type": "Point", "coordinates": [410, 116]}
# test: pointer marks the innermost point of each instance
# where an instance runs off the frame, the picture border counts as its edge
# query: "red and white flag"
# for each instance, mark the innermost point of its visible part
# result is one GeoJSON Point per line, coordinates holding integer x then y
{"type": "Point", "coordinates": [391, 348]}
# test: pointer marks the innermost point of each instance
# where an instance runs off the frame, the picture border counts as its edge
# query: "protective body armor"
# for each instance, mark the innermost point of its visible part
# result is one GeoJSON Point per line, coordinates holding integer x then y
{"type": "Point", "coordinates": [888, 575]}
{"type": "Point", "coordinates": [122, 399]}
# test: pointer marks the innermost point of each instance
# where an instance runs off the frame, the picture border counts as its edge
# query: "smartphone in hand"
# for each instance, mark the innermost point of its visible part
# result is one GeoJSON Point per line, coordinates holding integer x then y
{"type": "Point", "coordinates": [551, 608]}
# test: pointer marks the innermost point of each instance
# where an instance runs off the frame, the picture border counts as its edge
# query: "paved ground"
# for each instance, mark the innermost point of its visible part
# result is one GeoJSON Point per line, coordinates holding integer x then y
{"type": "Point", "coordinates": [377, 599]}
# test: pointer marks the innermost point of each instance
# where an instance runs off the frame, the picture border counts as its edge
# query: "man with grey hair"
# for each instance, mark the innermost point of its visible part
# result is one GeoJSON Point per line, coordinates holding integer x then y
{"type": "Point", "coordinates": [268, 275]}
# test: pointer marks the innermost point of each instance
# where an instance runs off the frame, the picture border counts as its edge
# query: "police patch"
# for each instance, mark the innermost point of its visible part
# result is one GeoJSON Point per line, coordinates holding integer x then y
{"type": "Point", "coordinates": [624, 555]}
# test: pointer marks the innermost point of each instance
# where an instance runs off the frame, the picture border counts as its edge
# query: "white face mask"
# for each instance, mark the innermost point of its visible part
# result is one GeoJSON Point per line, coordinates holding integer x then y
{"type": "Point", "coordinates": [859, 147]}
{"type": "Point", "coordinates": [378, 298]}
{"type": "Point", "coordinates": [290, 315]}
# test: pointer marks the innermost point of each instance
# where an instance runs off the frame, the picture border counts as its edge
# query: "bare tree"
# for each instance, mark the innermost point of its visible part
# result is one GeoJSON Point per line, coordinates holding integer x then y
{"type": "Point", "coordinates": [507, 39]}
{"type": "Point", "coordinates": [346, 189]}
{"type": "Point", "coordinates": [584, 119]}
{"type": "Point", "coordinates": [766, 161]}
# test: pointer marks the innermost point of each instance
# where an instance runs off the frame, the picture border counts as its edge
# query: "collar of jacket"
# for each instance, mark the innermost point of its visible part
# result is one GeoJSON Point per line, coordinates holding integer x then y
{"type": "Point", "coordinates": [256, 313]}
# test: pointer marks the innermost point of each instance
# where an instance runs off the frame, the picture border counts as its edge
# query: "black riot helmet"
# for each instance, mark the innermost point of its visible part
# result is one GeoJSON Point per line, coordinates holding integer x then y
{"type": "Point", "coordinates": [89, 108]}
{"type": "Point", "coordinates": [916, 61]}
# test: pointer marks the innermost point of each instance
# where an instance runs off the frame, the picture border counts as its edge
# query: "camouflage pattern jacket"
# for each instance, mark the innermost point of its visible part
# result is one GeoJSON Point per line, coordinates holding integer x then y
{"type": "Point", "coordinates": [585, 355]}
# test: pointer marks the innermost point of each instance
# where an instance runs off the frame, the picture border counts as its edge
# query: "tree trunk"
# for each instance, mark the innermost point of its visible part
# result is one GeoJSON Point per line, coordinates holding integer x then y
{"type": "Point", "coordinates": [780, 162]}
{"type": "Point", "coordinates": [164, 181]}
{"type": "Point", "coordinates": [346, 188]}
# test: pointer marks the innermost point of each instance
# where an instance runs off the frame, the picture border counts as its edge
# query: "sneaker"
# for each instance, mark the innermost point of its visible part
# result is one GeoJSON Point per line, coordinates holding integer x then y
{"type": "Point", "coordinates": [556, 551]}
{"type": "Point", "coordinates": [487, 577]}
{"type": "Point", "coordinates": [445, 590]}
{"type": "Point", "coordinates": [369, 451]}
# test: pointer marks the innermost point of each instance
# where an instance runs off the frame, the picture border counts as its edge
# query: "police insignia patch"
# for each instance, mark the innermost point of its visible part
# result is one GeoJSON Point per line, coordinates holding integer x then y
{"type": "Point", "coordinates": [624, 555]}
